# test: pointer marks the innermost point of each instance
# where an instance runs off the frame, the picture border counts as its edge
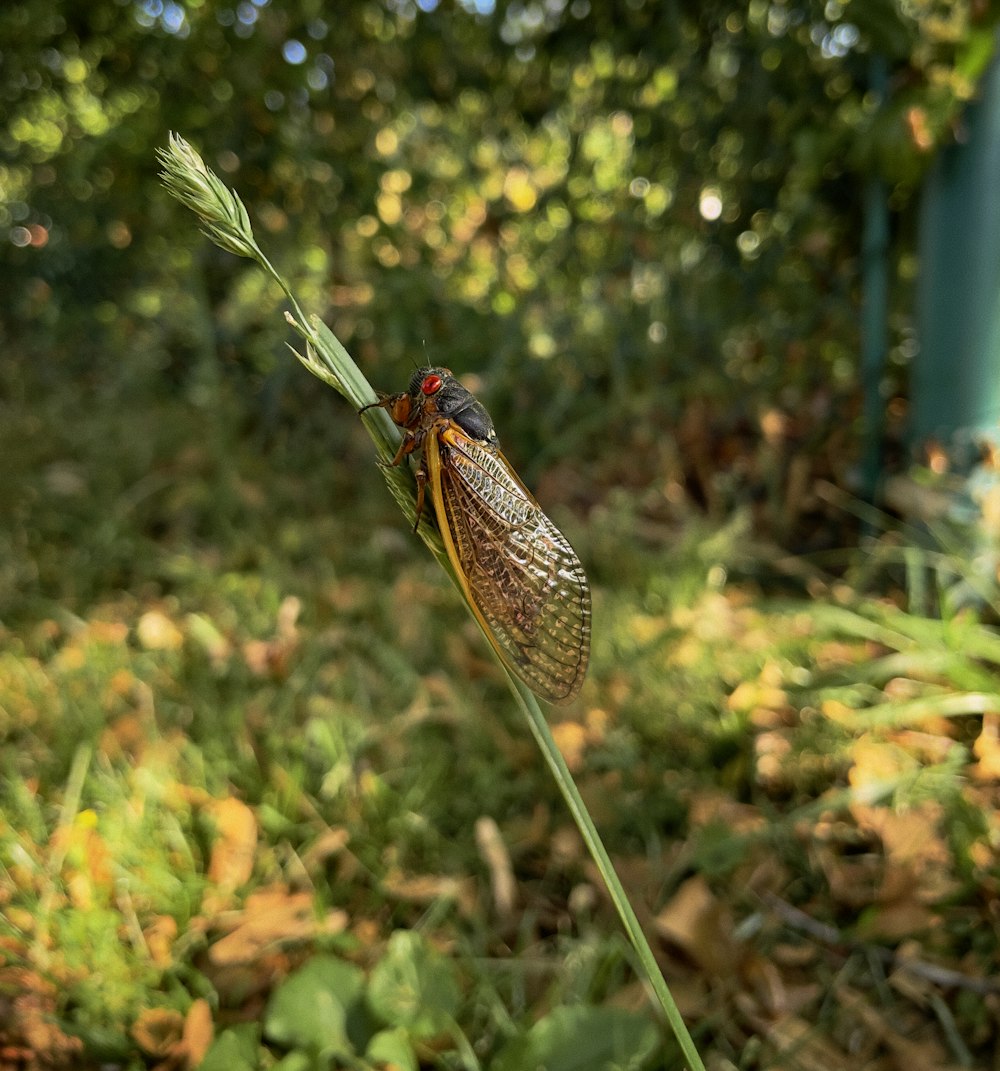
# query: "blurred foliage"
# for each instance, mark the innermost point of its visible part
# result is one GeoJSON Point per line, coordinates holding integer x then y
{"type": "Point", "coordinates": [617, 208]}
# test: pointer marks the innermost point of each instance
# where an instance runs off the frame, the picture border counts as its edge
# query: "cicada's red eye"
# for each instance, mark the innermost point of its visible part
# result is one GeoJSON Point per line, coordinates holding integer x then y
{"type": "Point", "coordinates": [431, 384]}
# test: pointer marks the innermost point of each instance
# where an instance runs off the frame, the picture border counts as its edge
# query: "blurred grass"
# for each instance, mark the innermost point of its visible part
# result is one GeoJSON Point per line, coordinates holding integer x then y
{"type": "Point", "coordinates": [193, 611]}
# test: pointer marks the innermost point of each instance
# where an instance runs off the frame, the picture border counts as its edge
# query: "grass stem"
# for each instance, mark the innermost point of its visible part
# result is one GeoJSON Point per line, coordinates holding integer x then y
{"type": "Point", "coordinates": [227, 223]}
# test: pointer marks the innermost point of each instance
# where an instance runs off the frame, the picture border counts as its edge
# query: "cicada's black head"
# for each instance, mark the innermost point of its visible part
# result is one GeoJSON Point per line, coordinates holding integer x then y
{"type": "Point", "coordinates": [441, 389]}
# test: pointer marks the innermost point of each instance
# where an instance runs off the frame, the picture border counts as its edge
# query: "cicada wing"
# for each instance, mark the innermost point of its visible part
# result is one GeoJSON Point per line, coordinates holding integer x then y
{"type": "Point", "coordinates": [519, 572]}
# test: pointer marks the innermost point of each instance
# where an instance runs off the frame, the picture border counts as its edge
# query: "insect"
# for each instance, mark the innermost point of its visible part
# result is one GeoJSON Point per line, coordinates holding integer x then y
{"type": "Point", "coordinates": [519, 574]}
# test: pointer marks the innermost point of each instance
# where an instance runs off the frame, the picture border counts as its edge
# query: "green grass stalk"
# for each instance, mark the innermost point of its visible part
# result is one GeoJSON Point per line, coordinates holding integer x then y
{"type": "Point", "coordinates": [226, 222]}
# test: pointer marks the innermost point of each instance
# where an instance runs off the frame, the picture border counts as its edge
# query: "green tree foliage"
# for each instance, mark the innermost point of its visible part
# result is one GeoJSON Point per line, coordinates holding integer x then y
{"type": "Point", "coordinates": [639, 203]}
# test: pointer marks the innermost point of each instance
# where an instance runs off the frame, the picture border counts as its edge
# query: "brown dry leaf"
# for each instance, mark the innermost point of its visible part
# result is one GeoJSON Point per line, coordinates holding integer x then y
{"type": "Point", "coordinates": [878, 767]}
{"type": "Point", "coordinates": [198, 1033]}
{"type": "Point", "coordinates": [329, 843]}
{"type": "Point", "coordinates": [897, 919]}
{"type": "Point", "coordinates": [803, 1045]}
{"type": "Point", "coordinates": [493, 851]}
{"type": "Point", "coordinates": [927, 747]}
{"type": "Point", "coordinates": [765, 983]}
{"type": "Point", "coordinates": [272, 916]}
{"type": "Point", "coordinates": [750, 695]}
{"type": "Point", "coordinates": [927, 1054]}
{"type": "Point", "coordinates": [987, 750]}
{"type": "Point", "coordinates": [917, 869]}
{"type": "Point", "coordinates": [156, 632]}
{"type": "Point", "coordinates": [273, 657]}
{"type": "Point", "coordinates": [571, 739]}
{"type": "Point", "coordinates": [231, 863]}
{"type": "Point", "coordinates": [157, 1031]}
{"type": "Point", "coordinates": [771, 750]}
{"type": "Point", "coordinates": [699, 924]}
{"type": "Point", "coordinates": [839, 712]}
{"type": "Point", "coordinates": [910, 983]}
{"type": "Point", "coordinates": [566, 848]}
{"type": "Point", "coordinates": [852, 880]}
{"type": "Point", "coordinates": [29, 1034]}
{"type": "Point", "coordinates": [427, 888]}
{"type": "Point", "coordinates": [87, 867]}
{"type": "Point", "coordinates": [837, 653]}
{"type": "Point", "coordinates": [160, 934]}
{"type": "Point", "coordinates": [796, 956]}
{"type": "Point", "coordinates": [597, 721]}
{"type": "Point", "coordinates": [126, 738]}
{"type": "Point", "coordinates": [709, 805]}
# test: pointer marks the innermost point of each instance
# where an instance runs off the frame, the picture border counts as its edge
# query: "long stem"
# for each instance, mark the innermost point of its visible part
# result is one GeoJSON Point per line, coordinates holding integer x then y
{"type": "Point", "coordinates": [228, 224]}
{"type": "Point", "coordinates": [578, 809]}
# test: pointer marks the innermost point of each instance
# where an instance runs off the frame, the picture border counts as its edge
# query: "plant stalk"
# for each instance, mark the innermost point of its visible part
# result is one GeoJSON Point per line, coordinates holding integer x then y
{"type": "Point", "coordinates": [227, 223]}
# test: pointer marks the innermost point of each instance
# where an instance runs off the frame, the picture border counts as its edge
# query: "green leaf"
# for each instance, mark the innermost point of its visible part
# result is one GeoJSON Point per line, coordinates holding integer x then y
{"type": "Point", "coordinates": [236, 1049]}
{"type": "Point", "coordinates": [297, 1060]}
{"type": "Point", "coordinates": [393, 1048]}
{"type": "Point", "coordinates": [312, 1009]}
{"type": "Point", "coordinates": [582, 1039]}
{"type": "Point", "coordinates": [414, 987]}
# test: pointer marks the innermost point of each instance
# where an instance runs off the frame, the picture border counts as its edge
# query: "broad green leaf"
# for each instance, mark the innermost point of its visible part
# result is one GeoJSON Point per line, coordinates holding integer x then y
{"type": "Point", "coordinates": [393, 1048]}
{"type": "Point", "coordinates": [312, 1008]}
{"type": "Point", "coordinates": [582, 1039]}
{"type": "Point", "coordinates": [414, 987]}
{"type": "Point", "coordinates": [237, 1049]}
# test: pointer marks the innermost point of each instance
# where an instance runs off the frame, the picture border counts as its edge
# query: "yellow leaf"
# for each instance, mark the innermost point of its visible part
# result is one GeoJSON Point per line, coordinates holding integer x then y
{"type": "Point", "coordinates": [231, 863]}
{"type": "Point", "coordinates": [157, 632]}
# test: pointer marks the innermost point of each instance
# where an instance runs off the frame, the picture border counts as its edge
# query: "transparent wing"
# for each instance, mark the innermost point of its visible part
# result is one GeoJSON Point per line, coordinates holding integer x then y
{"type": "Point", "coordinates": [521, 575]}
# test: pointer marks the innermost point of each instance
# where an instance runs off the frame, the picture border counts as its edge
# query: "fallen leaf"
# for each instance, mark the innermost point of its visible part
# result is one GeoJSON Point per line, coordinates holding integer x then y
{"type": "Point", "coordinates": [749, 695]}
{"type": "Point", "coordinates": [597, 721]}
{"type": "Point", "coordinates": [329, 843]}
{"type": "Point", "coordinates": [273, 657]}
{"type": "Point", "coordinates": [126, 738]}
{"type": "Point", "coordinates": [927, 1054]}
{"type": "Point", "coordinates": [426, 888]}
{"type": "Point", "coordinates": [878, 767]}
{"type": "Point", "coordinates": [803, 1046]}
{"type": "Point", "coordinates": [699, 924]}
{"type": "Point", "coordinates": [571, 739]}
{"type": "Point", "coordinates": [494, 854]}
{"type": "Point", "coordinates": [235, 844]}
{"type": "Point", "coordinates": [771, 750]}
{"type": "Point", "coordinates": [707, 806]}
{"type": "Point", "coordinates": [156, 632]}
{"type": "Point", "coordinates": [160, 933]}
{"type": "Point", "coordinates": [29, 1032]}
{"type": "Point", "coordinates": [158, 1030]}
{"type": "Point", "coordinates": [271, 917]}
{"type": "Point", "coordinates": [987, 750]}
{"type": "Point", "coordinates": [198, 1033]}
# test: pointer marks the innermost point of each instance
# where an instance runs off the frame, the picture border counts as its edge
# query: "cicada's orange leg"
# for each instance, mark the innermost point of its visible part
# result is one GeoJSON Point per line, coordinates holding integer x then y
{"type": "Point", "coordinates": [421, 475]}
{"type": "Point", "coordinates": [403, 415]}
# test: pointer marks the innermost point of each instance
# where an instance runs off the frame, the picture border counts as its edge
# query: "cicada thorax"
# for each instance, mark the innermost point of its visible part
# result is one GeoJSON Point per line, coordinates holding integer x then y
{"type": "Point", "coordinates": [433, 399]}
{"type": "Point", "coordinates": [440, 394]}
{"type": "Point", "coordinates": [519, 573]}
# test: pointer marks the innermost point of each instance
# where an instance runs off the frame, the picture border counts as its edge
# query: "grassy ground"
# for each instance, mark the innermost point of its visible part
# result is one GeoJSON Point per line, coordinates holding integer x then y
{"type": "Point", "coordinates": [264, 795]}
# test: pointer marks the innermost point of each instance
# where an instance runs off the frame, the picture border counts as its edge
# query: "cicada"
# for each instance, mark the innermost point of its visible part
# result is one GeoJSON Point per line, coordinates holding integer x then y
{"type": "Point", "coordinates": [519, 573]}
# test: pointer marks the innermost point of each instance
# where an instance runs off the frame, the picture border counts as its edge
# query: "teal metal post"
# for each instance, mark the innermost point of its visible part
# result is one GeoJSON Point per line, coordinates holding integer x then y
{"type": "Point", "coordinates": [874, 305]}
{"type": "Point", "coordinates": [955, 385]}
